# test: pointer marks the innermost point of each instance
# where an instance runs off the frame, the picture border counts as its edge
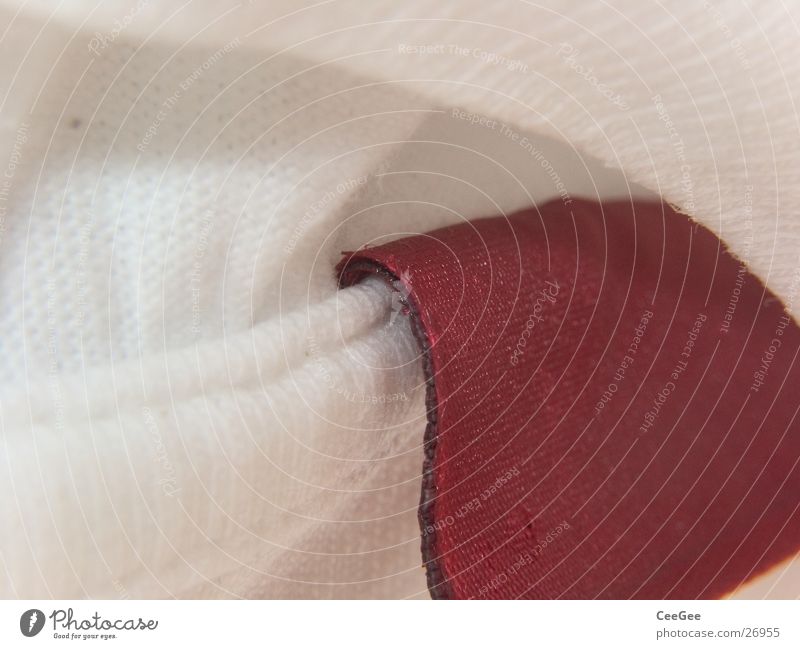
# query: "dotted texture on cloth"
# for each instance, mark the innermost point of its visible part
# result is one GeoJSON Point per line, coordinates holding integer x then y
{"type": "Point", "coordinates": [612, 405]}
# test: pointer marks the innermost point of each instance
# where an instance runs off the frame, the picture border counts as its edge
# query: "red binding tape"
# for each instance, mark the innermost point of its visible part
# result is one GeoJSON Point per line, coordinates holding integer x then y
{"type": "Point", "coordinates": [612, 405]}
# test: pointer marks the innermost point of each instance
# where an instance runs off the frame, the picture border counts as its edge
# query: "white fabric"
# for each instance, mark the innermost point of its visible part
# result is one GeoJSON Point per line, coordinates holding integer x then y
{"type": "Point", "coordinates": [189, 407]}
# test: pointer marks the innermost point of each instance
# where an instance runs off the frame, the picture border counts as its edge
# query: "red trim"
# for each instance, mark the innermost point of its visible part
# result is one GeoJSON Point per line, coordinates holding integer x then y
{"type": "Point", "coordinates": [532, 489]}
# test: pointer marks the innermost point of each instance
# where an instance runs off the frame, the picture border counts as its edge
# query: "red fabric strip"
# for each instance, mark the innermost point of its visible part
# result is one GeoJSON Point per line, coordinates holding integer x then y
{"type": "Point", "coordinates": [612, 405]}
